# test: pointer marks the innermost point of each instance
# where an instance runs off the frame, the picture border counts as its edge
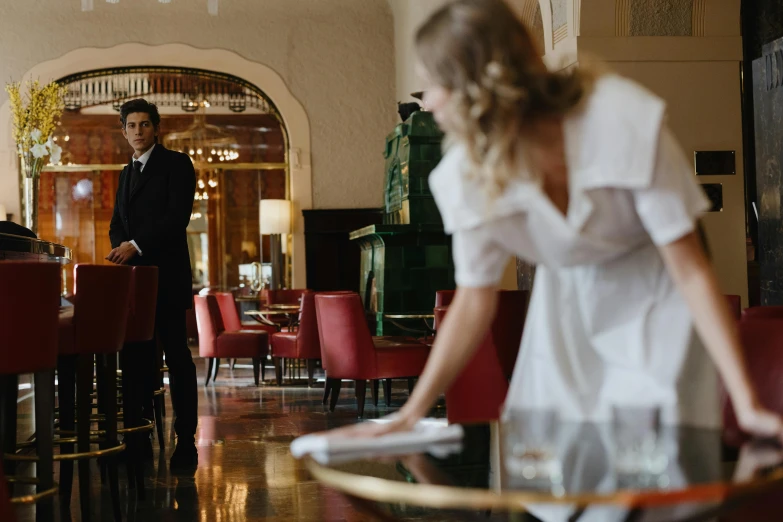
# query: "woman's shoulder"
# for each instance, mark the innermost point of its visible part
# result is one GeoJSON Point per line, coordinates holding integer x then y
{"type": "Point", "coordinates": [462, 201]}
{"type": "Point", "coordinates": [613, 138]}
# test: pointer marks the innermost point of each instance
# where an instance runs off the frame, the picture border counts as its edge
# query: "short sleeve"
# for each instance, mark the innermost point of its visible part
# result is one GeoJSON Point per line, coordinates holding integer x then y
{"type": "Point", "coordinates": [670, 206]}
{"type": "Point", "coordinates": [479, 261]}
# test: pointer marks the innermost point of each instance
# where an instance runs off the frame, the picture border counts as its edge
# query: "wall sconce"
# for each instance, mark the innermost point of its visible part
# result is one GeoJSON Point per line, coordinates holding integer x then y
{"type": "Point", "coordinates": [274, 220]}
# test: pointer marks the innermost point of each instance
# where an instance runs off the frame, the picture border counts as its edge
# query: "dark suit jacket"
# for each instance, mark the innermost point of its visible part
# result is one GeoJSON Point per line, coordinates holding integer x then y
{"type": "Point", "coordinates": [156, 215]}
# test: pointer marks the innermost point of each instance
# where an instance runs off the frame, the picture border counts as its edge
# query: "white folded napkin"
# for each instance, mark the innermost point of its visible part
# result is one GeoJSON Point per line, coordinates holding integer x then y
{"type": "Point", "coordinates": [428, 436]}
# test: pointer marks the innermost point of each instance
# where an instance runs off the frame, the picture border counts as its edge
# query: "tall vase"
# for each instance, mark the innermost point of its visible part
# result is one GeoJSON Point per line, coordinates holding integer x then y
{"type": "Point", "coordinates": [31, 200]}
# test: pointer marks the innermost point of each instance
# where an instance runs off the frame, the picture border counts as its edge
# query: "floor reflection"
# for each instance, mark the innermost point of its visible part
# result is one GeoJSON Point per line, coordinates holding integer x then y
{"type": "Point", "coordinates": [246, 472]}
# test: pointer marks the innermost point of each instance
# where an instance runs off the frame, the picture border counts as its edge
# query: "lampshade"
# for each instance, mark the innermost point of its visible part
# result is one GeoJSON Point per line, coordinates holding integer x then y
{"type": "Point", "coordinates": [275, 216]}
{"type": "Point", "coordinates": [2, 212]}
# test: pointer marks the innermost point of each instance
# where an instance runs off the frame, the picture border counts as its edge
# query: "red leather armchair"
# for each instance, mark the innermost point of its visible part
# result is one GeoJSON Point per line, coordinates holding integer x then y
{"type": "Point", "coordinates": [304, 343]}
{"type": "Point", "coordinates": [735, 305]}
{"type": "Point", "coordinates": [760, 312]}
{"type": "Point", "coordinates": [480, 389]}
{"type": "Point", "coordinates": [214, 342]}
{"type": "Point", "coordinates": [233, 323]}
{"type": "Point", "coordinates": [350, 352]}
{"type": "Point", "coordinates": [762, 340]}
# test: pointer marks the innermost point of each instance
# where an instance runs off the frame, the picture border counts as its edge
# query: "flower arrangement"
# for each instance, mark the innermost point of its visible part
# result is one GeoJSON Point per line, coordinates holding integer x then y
{"type": "Point", "coordinates": [35, 119]}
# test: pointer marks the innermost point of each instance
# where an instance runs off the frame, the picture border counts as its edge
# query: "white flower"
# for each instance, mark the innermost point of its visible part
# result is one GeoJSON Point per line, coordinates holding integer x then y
{"type": "Point", "coordinates": [56, 152]}
{"type": "Point", "coordinates": [39, 150]}
{"type": "Point", "coordinates": [50, 143]}
{"type": "Point", "coordinates": [35, 134]}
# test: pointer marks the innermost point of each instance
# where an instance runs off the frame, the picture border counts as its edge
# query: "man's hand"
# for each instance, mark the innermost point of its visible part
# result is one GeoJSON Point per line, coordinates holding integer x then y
{"type": "Point", "coordinates": [122, 254]}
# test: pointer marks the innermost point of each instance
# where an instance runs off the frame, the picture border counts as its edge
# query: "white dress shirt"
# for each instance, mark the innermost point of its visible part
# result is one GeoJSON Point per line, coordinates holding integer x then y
{"type": "Point", "coordinates": [143, 160]}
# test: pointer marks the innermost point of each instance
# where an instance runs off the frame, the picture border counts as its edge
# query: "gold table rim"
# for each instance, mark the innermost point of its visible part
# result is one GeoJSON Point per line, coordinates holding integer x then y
{"type": "Point", "coordinates": [450, 497]}
{"type": "Point", "coordinates": [409, 316]}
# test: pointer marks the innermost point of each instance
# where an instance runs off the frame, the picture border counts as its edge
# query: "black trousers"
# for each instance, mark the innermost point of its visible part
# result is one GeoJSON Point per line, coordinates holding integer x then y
{"type": "Point", "coordinates": [141, 374]}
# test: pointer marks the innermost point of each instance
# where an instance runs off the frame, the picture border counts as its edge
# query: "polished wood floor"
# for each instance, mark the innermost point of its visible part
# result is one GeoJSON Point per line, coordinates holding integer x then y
{"type": "Point", "coordinates": [245, 473]}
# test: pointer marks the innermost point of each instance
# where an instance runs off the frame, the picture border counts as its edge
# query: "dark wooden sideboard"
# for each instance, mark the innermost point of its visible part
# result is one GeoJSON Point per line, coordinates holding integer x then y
{"type": "Point", "coordinates": [333, 259]}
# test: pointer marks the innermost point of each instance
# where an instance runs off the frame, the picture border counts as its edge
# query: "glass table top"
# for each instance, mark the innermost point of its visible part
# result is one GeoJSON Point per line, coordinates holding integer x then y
{"type": "Point", "coordinates": [582, 472]}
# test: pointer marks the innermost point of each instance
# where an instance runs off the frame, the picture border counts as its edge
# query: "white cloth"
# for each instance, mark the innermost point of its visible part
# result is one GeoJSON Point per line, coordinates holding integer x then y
{"type": "Point", "coordinates": [143, 160]}
{"type": "Point", "coordinates": [606, 324]}
{"type": "Point", "coordinates": [428, 436]}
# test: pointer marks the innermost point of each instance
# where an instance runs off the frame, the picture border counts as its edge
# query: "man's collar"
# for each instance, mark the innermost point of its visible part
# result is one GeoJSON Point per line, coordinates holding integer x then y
{"type": "Point", "coordinates": [146, 156]}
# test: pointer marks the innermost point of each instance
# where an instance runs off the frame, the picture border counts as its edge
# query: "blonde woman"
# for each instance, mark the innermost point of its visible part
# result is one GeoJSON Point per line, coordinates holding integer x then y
{"type": "Point", "coordinates": [578, 173]}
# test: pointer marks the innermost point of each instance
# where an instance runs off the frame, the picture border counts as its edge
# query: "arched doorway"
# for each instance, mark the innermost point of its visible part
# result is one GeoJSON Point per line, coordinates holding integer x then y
{"type": "Point", "coordinates": [233, 134]}
{"type": "Point", "coordinates": [219, 61]}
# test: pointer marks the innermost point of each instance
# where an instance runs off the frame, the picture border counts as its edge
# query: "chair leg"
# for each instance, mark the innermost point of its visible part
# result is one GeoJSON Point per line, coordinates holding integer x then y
{"type": "Point", "coordinates": [256, 369]}
{"type": "Point", "coordinates": [279, 372]}
{"type": "Point", "coordinates": [209, 363]}
{"type": "Point", "coordinates": [84, 372]}
{"type": "Point", "coordinates": [411, 383]}
{"type": "Point", "coordinates": [361, 393]}
{"type": "Point", "coordinates": [336, 385]}
{"type": "Point", "coordinates": [159, 400]}
{"type": "Point", "coordinates": [44, 435]}
{"type": "Point", "coordinates": [217, 368]}
{"type": "Point", "coordinates": [387, 386]}
{"type": "Point", "coordinates": [232, 363]}
{"type": "Point", "coordinates": [66, 399]}
{"type": "Point", "coordinates": [310, 372]}
{"type": "Point", "coordinates": [327, 389]}
{"type": "Point", "coordinates": [262, 362]}
{"type": "Point", "coordinates": [375, 390]}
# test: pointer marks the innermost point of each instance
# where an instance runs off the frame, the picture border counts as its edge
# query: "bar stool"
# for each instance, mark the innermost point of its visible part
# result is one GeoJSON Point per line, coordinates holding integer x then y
{"type": "Point", "coordinates": [100, 311]}
{"type": "Point", "coordinates": [139, 331]}
{"type": "Point", "coordinates": [29, 308]}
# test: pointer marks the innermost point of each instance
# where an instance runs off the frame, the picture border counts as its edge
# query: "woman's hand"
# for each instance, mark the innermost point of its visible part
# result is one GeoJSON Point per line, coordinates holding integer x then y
{"type": "Point", "coordinates": [760, 422]}
{"type": "Point", "coordinates": [397, 422]}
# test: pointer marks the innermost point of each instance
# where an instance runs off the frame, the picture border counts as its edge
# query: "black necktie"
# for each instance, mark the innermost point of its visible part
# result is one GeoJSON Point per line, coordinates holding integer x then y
{"type": "Point", "coordinates": [137, 165]}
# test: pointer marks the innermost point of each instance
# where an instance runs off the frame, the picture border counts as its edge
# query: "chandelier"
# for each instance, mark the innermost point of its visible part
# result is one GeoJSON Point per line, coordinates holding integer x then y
{"type": "Point", "coordinates": [205, 144]}
{"type": "Point", "coordinates": [212, 5]}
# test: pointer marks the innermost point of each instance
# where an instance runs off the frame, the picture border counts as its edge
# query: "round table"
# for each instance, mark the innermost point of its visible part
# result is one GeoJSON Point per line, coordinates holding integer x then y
{"type": "Point", "coordinates": [702, 479]}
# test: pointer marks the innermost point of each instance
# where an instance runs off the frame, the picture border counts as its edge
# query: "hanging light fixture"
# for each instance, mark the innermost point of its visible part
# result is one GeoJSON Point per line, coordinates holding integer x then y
{"type": "Point", "coordinates": [204, 143]}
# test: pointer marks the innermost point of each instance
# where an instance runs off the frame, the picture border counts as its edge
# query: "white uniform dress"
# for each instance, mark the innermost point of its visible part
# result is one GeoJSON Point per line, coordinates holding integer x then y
{"type": "Point", "coordinates": [606, 323]}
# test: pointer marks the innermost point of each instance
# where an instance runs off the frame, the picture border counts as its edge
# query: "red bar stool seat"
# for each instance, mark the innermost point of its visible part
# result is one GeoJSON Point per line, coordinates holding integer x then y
{"type": "Point", "coordinates": [139, 368]}
{"type": "Point", "coordinates": [92, 342]}
{"type": "Point", "coordinates": [214, 342]}
{"type": "Point", "coordinates": [29, 322]}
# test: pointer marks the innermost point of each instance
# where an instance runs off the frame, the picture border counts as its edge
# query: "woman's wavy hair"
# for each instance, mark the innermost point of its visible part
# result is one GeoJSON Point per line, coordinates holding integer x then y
{"type": "Point", "coordinates": [482, 53]}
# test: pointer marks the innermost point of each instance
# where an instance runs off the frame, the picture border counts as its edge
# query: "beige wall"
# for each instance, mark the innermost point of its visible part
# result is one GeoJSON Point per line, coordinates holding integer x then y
{"type": "Point", "coordinates": [319, 49]}
{"type": "Point", "coordinates": [408, 16]}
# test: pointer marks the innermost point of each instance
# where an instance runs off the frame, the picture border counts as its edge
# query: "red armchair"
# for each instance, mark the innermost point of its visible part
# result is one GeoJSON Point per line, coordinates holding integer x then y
{"type": "Point", "coordinates": [480, 389]}
{"type": "Point", "coordinates": [763, 312]}
{"type": "Point", "coordinates": [735, 305]}
{"type": "Point", "coordinates": [350, 352]}
{"type": "Point", "coordinates": [214, 342]}
{"type": "Point", "coordinates": [302, 344]}
{"type": "Point", "coordinates": [233, 323]}
{"type": "Point", "coordinates": [762, 340]}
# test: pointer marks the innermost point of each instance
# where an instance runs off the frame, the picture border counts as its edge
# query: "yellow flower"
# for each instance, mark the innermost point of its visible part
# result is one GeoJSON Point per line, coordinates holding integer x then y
{"type": "Point", "coordinates": [40, 110]}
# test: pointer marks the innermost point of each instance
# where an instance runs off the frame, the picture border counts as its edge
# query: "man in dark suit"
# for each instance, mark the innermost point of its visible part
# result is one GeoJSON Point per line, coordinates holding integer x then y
{"type": "Point", "coordinates": [148, 228]}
